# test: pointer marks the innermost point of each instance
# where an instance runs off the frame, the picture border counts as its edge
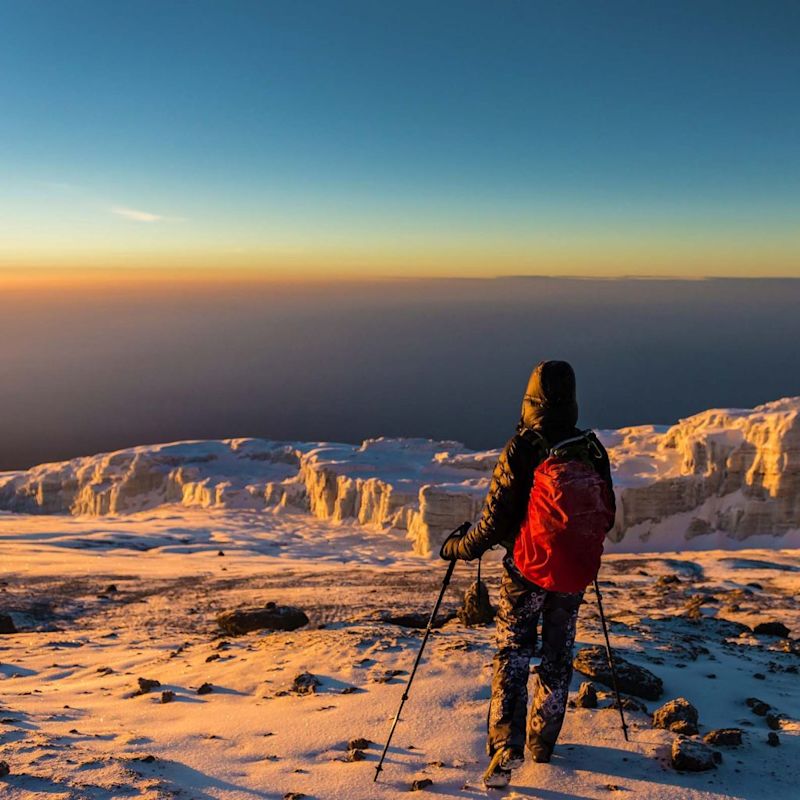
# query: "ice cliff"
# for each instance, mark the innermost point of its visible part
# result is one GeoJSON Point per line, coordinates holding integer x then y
{"type": "Point", "coordinates": [723, 474]}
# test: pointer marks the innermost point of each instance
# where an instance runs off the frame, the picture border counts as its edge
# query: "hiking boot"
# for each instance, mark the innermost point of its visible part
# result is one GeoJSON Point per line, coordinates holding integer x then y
{"type": "Point", "coordinates": [540, 752]}
{"type": "Point", "coordinates": [498, 773]}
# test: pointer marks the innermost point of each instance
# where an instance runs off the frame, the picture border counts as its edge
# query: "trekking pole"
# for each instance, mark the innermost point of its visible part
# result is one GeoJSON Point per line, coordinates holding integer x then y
{"type": "Point", "coordinates": [610, 659]}
{"type": "Point", "coordinates": [449, 574]}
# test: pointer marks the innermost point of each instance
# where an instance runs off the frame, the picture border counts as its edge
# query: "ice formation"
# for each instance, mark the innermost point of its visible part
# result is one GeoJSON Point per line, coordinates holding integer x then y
{"type": "Point", "coordinates": [732, 474]}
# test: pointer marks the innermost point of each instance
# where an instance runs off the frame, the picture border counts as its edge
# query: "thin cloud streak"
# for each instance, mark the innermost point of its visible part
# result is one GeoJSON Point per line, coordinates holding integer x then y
{"type": "Point", "coordinates": [136, 215]}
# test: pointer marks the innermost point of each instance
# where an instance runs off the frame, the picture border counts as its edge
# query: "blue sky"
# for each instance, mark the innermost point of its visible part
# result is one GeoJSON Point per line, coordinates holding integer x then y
{"type": "Point", "coordinates": [393, 137]}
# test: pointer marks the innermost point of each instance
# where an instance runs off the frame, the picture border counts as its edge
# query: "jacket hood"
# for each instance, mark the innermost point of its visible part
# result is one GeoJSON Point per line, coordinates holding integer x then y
{"type": "Point", "coordinates": [550, 399]}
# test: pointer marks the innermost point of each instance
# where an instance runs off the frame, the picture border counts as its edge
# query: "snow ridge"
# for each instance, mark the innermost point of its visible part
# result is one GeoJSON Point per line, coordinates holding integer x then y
{"type": "Point", "coordinates": [726, 475]}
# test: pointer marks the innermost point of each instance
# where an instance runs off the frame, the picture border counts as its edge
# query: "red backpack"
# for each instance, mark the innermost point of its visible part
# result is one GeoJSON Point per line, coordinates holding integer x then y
{"type": "Point", "coordinates": [570, 511]}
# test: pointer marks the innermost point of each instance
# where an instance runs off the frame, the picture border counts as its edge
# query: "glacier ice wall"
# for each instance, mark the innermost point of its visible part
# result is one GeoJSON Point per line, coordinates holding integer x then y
{"type": "Point", "coordinates": [734, 472]}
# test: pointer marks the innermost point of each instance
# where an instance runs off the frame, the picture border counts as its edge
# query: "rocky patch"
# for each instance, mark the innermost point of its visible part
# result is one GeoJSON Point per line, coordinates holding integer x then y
{"type": "Point", "coordinates": [678, 715]}
{"type": "Point", "coordinates": [271, 617]}
{"type": "Point", "coordinates": [638, 681]}
{"type": "Point", "coordinates": [771, 629]}
{"type": "Point", "coordinates": [726, 737]}
{"type": "Point", "coordinates": [692, 755]}
{"type": "Point", "coordinates": [7, 625]}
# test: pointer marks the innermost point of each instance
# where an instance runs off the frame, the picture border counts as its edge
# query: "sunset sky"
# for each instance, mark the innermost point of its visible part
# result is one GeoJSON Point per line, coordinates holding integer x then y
{"type": "Point", "coordinates": [295, 139]}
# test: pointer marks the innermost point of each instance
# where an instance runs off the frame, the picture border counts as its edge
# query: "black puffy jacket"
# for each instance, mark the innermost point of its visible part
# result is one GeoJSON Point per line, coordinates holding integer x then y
{"type": "Point", "coordinates": [549, 408]}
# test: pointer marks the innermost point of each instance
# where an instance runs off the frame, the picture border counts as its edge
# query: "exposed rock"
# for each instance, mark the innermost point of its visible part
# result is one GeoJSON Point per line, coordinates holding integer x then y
{"type": "Point", "coordinates": [359, 744]}
{"type": "Point", "coordinates": [791, 646]}
{"type": "Point", "coordinates": [388, 674]}
{"type": "Point", "coordinates": [628, 704]}
{"type": "Point", "coordinates": [305, 683]}
{"type": "Point", "coordinates": [167, 696]}
{"type": "Point", "coordinates": [587, 696]}
{"type": "Point", "coordinates": [354, 754]}
{"type": "Point", "coordinates": [421, 783]}
{"type": "Point", "coordinates": [678, 715]}
{"type": "Point", "coordinates": [5, 770]}
{"type": "Point", "coordinates": [693, 607]}
{"type": "Point", "coordinates": [476, 608]}
{"type": "Point", "coordinates": [729, 737]}
{"type": "Point", "coordinates": [7, 624]}
{"type": "Point", "coordinates": [638, 681]}
{"type": "Point", "coordinates": [271, 617]}
{"type": "Point", "coordinates": [758, 707]}
{"type": "Point", "coordinates": [294, 796]}
{"type": "Point", "coordinates": [773, 740]}
{"type": "Point", "coordinates": [692, 755]}
{"type": "Point", "coordinates": [774, 720]}
{"type": "Point", "coordinates": [147, 685]}
{"type": "Point", "coordinates": [771, 629]}
{"type": "Point", "coordinates": [665, 581]}
{"type": "Point", "coordinates": [416, 619]}
{"type": "Point", "coordinates": [205, 688]}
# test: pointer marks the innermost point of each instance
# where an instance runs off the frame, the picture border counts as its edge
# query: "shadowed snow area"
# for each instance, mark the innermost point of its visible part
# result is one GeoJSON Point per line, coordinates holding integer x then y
{"type": "Point", "coordinates": [100, 602]}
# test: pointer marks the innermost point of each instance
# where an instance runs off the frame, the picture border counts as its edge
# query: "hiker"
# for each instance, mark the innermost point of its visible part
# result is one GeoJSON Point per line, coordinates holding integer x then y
{"type": "Point", "coordinates": [550, 504]}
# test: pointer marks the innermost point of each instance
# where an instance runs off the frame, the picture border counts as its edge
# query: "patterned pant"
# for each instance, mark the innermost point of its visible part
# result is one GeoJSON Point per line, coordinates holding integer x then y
{"type": "Point", "coordinates": [517, 618]}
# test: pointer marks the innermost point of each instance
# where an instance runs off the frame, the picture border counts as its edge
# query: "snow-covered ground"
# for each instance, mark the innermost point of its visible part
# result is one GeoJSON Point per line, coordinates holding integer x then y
{"type": "Point", "coordinates": [103, 601]}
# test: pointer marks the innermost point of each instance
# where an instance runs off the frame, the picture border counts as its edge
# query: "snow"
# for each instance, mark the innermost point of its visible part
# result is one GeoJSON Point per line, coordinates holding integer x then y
{"type": "Point", "coordinates": [347, 532]}
{"type": "Point", "coordinates": [721, 478]}
{"type": "Point", "coordinates": [69, 730]}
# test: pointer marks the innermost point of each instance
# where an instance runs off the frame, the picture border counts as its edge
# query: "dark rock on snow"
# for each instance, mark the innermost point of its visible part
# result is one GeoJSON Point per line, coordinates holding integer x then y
{"type": "Point", "coordinates": [773, 740]}
{"type": "Point", "coordinates": [271, 617]}
{"type": "Point", "coordinates": [416, 619]}
{"type": "Point", "coordinates": [420, 784]}
{"type": "Point", "coordinates": [388, 675]}
{"type": "Point", "coordinates": [629, 704]}
{"type": "Point", "coordinates": [758, 707]}
{"type": "Point", "coordinates": [355, 755]}
{"type": "Point", "coordinates": [7, 624]}
{"type": "Point", "coordinates": [729, 737]}
{"type": "Point", "coordinates": [771, 629]}
{"type": "Point", "coordinates": [692, 755]}
{"type": "Point", "coordinates": [305, 683]}
{"type": "Point", "coordinates": [359, 744]}
{"type": "Point", "coordinates": [205, 688]}
{"type": "Point", "coordinates": [167, 696]}
{"type": "Point", "coordinates": [5, 770]}
{"type": "Point", "coordinates": [678, 715]}
{"type": "Point", "coordinates": [774, 720]}
{"type": "Point", "coordinates": [638, 681]}
{"type": "Point", "coordinates": [587, 696]}
{"type": "Point", "coordinates": [147, 684]}
{"type": "Point", "coordinates": [294, 796]}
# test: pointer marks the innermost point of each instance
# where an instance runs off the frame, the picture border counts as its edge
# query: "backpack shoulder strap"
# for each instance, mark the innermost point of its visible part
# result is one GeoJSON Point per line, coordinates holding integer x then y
{"type": "Point", "coordinates": [535, 438]}
{"type": "Point", "coordinates": [595, 447]}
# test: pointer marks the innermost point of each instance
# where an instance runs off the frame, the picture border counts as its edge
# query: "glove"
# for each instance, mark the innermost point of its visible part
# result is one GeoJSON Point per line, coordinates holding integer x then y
{"type": "Point", "coordinates": [449, 551]}
{"type": "Point", "coordinates": [450, 548]}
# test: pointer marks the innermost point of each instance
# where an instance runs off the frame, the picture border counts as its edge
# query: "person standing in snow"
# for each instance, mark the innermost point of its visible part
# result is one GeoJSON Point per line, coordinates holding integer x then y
{"type": "Point", "coordinates": [550, 504]}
